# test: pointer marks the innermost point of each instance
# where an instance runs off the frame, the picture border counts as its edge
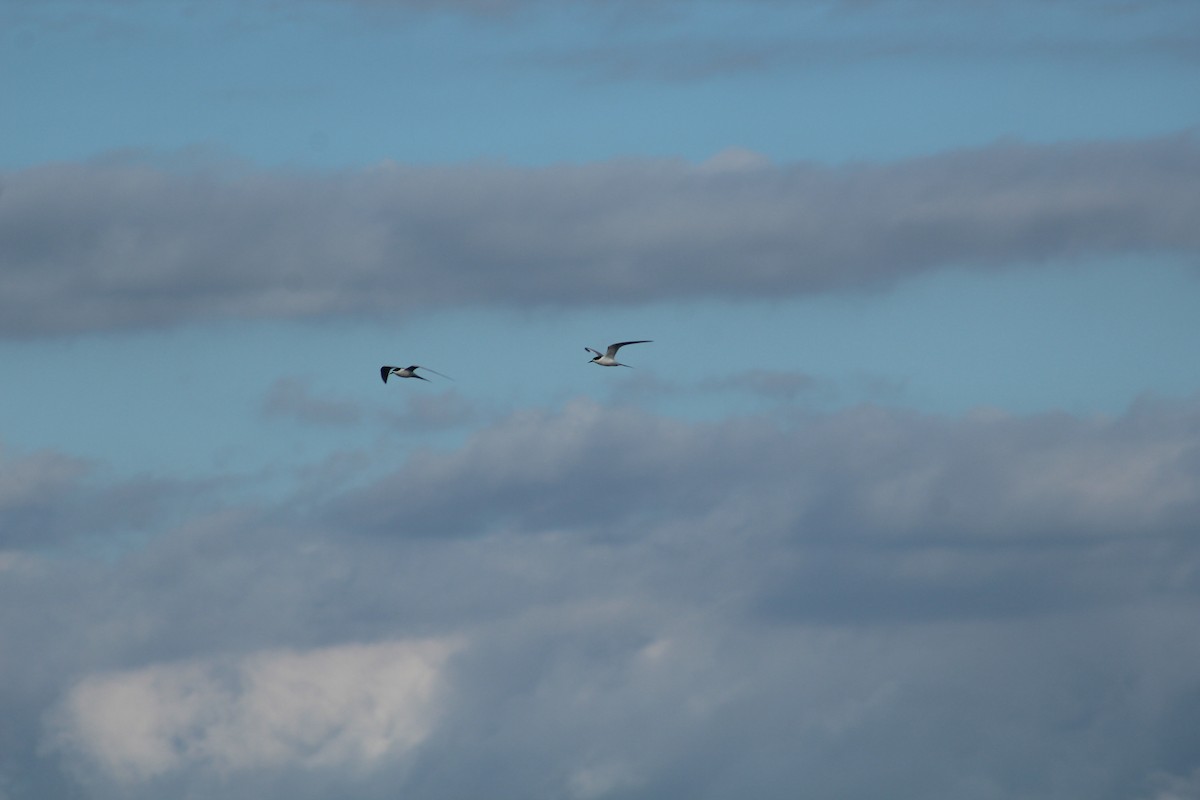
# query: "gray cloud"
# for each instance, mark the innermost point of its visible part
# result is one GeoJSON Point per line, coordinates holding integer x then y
{"type": "Point", "coordinates": [48, 499]}
{"type": "Point", "coordinates": [120, 245]}
{"type": "Point", "coordinates": [656, 7]}
{"type": "Point", "coordinates": [863, 603]}
{"type": "Point", "coordinates": [683, 59]}
{"type": "Point", "coordinates": [866, 475]}
{"type": "Point", "coordinates": [780, 385]}
{"type": "Point", "coordinates": [292, 398]}
{"type": "Point", "coordinates": [1154, 28]}
{"type": "Point", "coordinates": [768, 385]}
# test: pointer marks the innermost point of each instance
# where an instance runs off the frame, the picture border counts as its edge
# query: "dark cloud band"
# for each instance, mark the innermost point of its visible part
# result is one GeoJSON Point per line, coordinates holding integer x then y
{"type": "Point", "coordinates": [110, 246]}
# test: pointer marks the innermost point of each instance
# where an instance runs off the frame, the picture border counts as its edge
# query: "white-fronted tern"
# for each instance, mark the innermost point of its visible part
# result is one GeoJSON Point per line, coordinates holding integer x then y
{"type": "Point", "coordinates": [408, 372]}
{"type": "Point", "coordinates": [609, 359]}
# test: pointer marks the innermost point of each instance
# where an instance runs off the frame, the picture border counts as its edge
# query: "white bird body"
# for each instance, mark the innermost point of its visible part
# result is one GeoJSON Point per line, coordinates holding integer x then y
{"type": "Point", "coordinates": [609, 358]}
{"type": "Point", "coordinates": [407, 372]}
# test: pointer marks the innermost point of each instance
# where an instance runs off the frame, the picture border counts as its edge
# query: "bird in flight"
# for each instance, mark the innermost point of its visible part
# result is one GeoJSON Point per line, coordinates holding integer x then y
{"type": "Point", "coordinates": [408, 372]}
{"type": "Point", "coordinates": [609, 359]}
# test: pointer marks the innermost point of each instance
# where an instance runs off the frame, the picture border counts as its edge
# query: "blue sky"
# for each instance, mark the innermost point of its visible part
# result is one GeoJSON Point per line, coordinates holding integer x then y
{"type": "Point", "coordinates": [900, 501]}
{"type": "Point", "coordinates": [350, 84]}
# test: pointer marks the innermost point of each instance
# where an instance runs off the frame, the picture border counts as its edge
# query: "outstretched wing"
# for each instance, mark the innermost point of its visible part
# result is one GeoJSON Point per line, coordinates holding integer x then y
{"type": "Point", "coordinates": [384, 372]}
{"type": "Point", "coordinates": [427, 369]}
{"type": "Point", "coordinates": [590, 350]}
{"type": "Point", "coordinates": [613, 348]}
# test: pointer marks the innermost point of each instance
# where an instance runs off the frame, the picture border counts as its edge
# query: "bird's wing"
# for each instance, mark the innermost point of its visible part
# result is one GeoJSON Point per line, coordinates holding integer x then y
{"type": "Point", "coordinates": [613, 348]}
{"type": "Point", "coordinates": [384, 372]}
{"type": "Point", "coordinates": [434, 371]}
{"type": "Point", "coordinates": [590, 350]}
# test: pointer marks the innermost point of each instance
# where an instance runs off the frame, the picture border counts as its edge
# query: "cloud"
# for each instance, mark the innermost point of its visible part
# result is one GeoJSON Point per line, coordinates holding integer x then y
{"type": "Point", "coordinates": [780, 385]}
{"type": "Point", "coordinates": [117, 246]}
{"type": "Point", "coordinates": [351, 705]}
{"type": "Point", "coordinates": [291, 397]}
{"type": "Point", "coordinates": [862, 602]}
{"type": "Point", "coordinates": [696, 60]}
{"type": "Point", "coordinates": [668, 40]}
{"type": "Point", "coordinates": [48, 498]}
{"type": "Point", "coordinates": [655, 8]}
{"type": "Point", "coordinates": [861, 473]}
{"type": "Point", "coordinates": [1176, 787]}
{"type": "Point", "coordinates": [440, 411]}
{"type": "Point", "coordinates": [770, 385]}
{"type": "Point", "coordinates": [797, 38]}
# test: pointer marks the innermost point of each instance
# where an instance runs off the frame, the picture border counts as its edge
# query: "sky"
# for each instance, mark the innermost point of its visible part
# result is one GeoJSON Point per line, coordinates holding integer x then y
{"type": "Point", "coordinates": [902, 498]}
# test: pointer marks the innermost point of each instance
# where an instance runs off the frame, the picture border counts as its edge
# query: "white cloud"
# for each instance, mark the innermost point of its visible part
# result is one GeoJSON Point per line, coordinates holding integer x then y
{"type": "Point", "coordinates": [351, 705]}
{"type": "Point", "coordinates": [11, 560]}
{"type": "Point", "coordinates": [590, 782]}
{"type": "Point", "coordinates": [1177, 787]}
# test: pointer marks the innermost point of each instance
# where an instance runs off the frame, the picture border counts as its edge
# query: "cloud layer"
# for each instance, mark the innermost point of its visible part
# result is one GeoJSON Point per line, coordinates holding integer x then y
{"type": "Point", "coordinates": [615, 604]}
{"type": "Point", "coordinates": [120, 245]}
